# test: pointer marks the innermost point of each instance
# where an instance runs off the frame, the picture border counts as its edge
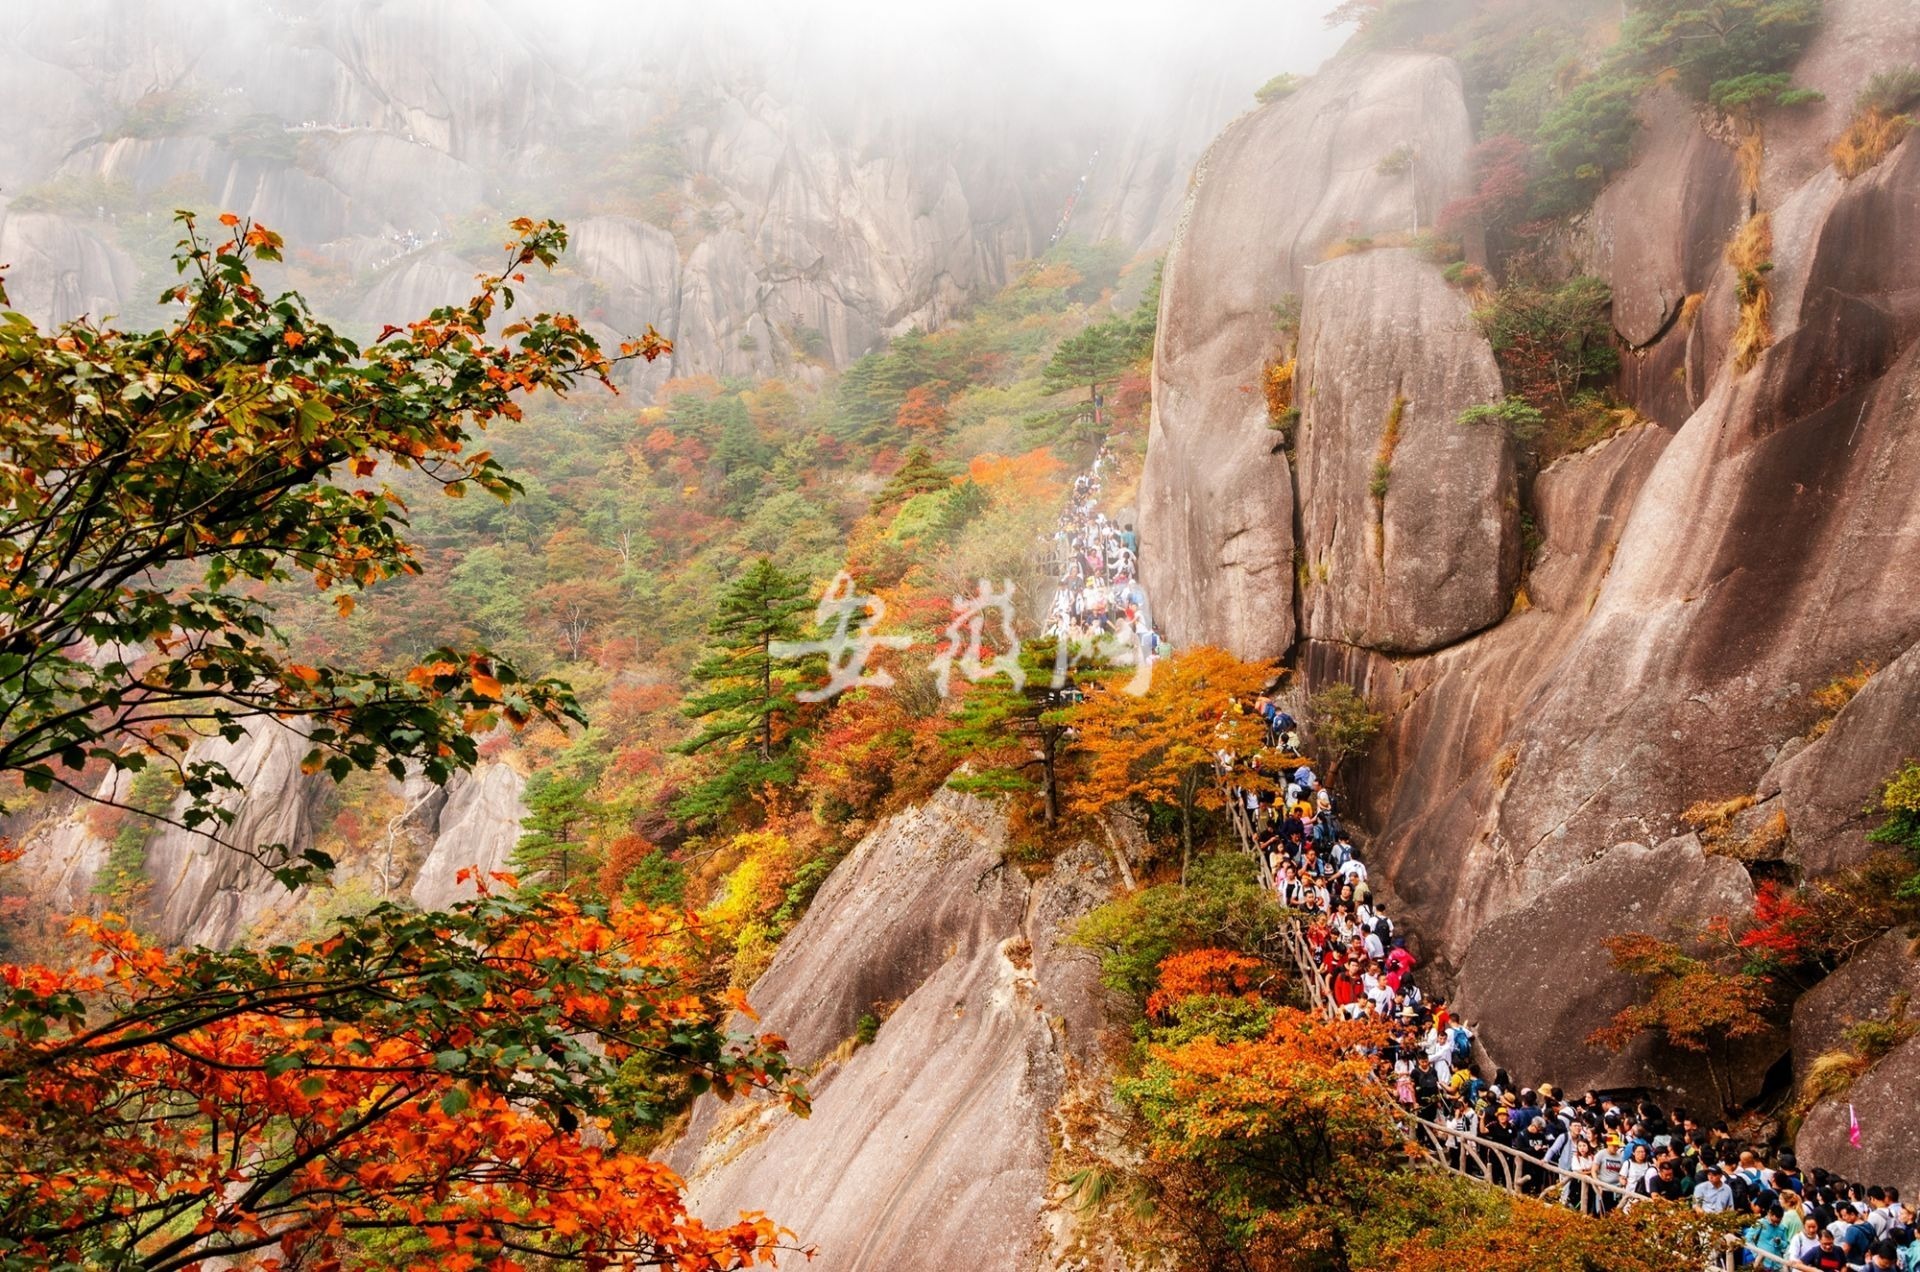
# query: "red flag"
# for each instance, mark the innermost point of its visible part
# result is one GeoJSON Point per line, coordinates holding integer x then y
{"type": "Point", "coordinates": [1853, 1127]}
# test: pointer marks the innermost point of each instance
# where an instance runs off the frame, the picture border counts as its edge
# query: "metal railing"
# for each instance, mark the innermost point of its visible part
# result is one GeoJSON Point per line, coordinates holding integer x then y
{"type": "Point", "coordinates": [1464, 1153]}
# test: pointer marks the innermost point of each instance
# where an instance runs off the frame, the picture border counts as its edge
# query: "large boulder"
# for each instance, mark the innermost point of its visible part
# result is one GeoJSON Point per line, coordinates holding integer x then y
{"type": "Point", "coordinates": [1865, 987]}
{"type": "Point", "coordinates": [1278, 188]}
{"type": "Point", "coordinates": [1409, 520]}
{"type": "Point", "coordinates": [1537, 980]}
{"type": "Point", "coordinates": [1882, 1102]}
{"type": "Point", "coordinates": [930, 1146]}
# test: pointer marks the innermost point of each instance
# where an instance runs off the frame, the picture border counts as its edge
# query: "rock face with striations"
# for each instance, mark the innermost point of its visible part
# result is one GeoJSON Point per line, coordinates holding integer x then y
{"type": "Point", "coordinates": [1520, 957]}
{"type": "Point", "coordinates": [1371, 145]}
{"type": "Point", "coordinates": [1695, 578]}
{"type": "Point", "coordinates": [1409, 520]}
{"type": "Point", "coordinates": [929, 1147]}
{"type": "Point", "coordinates": [206, 893]}
{"type": "Point", "coordinates": [475, 825]}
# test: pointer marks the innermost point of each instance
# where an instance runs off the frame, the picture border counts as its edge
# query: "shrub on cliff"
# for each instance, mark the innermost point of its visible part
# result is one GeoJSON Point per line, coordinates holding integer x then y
{"type": "Point", "coordinates": [1222, 905]}
{"type": "Point", "coordinates": [1551, 340]}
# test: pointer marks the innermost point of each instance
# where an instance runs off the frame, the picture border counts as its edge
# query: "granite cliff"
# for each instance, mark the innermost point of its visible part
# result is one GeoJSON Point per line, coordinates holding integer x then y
{"type": "Point", "coordinates": [1695, 577]}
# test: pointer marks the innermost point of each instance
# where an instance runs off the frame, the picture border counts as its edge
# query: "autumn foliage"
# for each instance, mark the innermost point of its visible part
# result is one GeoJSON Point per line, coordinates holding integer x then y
{"type": "Point", "coordinates": [1210, 971]}
{"type": "Point", "coordinates": [156, 483]}
{"type": "Point", "coordinates": [1491, 1231]}
{"type": "Point", "coordinates": [1687, 1002]}
{"type": "Point", "coordinates": [1285, 1135]}
{"type": "Point", "coordinates": [443, 1075]}
{"type": "Point", "coordinates": [1160, 747]}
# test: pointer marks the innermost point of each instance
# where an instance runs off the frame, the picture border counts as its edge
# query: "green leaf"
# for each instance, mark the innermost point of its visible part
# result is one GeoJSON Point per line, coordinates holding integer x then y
{"type": "Point", "coordinates": [448, 1061]}
{"type": "Point", "coordinates": [454, 1101]}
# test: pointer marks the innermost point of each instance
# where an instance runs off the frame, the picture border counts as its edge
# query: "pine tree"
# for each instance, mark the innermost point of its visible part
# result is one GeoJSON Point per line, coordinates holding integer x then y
{"type": "Point", "coordinates": [917, 475]}
{"type": "Point", "coordinates": [1007, 732]}
{"type": "Point", "coordinates": [1092, 357]}
{"type": "Point", "coordinates": [555, 848]}
{"type": "Point", "coordinates": [747, 701]}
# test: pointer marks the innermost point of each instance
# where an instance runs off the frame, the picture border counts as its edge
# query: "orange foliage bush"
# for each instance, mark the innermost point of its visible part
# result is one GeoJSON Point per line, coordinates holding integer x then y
{"type": "Point", "coordinates": [1205, 971]}
{"type": "Point", "coordinates": [1034, 476]}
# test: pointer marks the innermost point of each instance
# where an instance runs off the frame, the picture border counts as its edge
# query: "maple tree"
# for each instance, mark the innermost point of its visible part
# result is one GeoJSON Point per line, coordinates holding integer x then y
{"type": "Point", "coordinates": [1161, 746]}
{"type": "Point", "coordinates": [1689, 1003]}
{"type": "Point", "coordinates": [440, 1076]}
{"type": "Point", "coordinates": [155, 479]}
{"type": "Point", "coordinates": [1210, 971]}
{"type": "Point", "coordinates": [1286, 1135]}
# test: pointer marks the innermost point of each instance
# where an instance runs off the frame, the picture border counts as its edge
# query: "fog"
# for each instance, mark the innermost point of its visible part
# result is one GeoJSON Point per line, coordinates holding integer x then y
{"type": "Point", "coordinates": [897, 155]}
{"type": "Point", "coordinates": [1125, 52]}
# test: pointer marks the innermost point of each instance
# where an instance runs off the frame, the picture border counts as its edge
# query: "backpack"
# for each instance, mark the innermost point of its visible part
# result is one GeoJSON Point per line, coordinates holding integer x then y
{"type": "Point", "coordinates": [1462, 1047]}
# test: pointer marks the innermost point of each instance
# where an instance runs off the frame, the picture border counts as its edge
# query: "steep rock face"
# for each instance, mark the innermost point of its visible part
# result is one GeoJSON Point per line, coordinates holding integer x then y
{"type": "Point", "coordinates": [1864, 988]}
{"type": "Point", "coordinates": [203, 892]}
{"type": "Point", "coordinates": [1882, 1100]}
{"type": "Point", "coordinates": [1277, 188]}
{"type": "Point", "coordinates": [476, 826]}
{"type": "Point", "coordinates": [789, 224]}
{"type": "Point", "coordinates": [1857, 38]}
{"type": "Point", "coordinates": [61, 858]}
{"type": "Point", "coordinates": [1697, 578]}
{"type": "Point", "coordinates": [929, 1147]}
{"type": "Point", "coordinates": [1818, 786]}
{"type": "Point", "coordinates": [1409, 519]}
{"type": "Point", "coordinates": [61, 269]}
{"type": "Point", "coordinates": [1658, 234]}
{"type": "Point", "coordinates": [206, 893]}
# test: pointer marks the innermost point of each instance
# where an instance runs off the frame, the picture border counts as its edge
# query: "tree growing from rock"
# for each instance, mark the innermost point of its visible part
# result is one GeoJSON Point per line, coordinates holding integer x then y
{"type": "Point", "coordinates": [1343, 726]}
{"type": "Point", "coordinates": [1686, 1003]}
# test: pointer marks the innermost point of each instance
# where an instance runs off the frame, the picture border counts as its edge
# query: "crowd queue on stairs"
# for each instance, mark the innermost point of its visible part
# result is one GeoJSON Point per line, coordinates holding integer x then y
{"type": "Point", "coordinates": [1594, 1151]}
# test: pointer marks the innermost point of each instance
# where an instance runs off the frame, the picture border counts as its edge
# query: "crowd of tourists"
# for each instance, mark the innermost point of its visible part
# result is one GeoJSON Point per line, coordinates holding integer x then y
{"type": "Point", "coordinates": [1631, 1149]}
{"type": "Point", "coordinates": [1098, 601]}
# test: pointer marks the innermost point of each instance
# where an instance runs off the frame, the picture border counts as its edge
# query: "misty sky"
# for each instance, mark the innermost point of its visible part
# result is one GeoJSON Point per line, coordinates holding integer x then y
{"type": "Point", "coordinates": [1013, 46]}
